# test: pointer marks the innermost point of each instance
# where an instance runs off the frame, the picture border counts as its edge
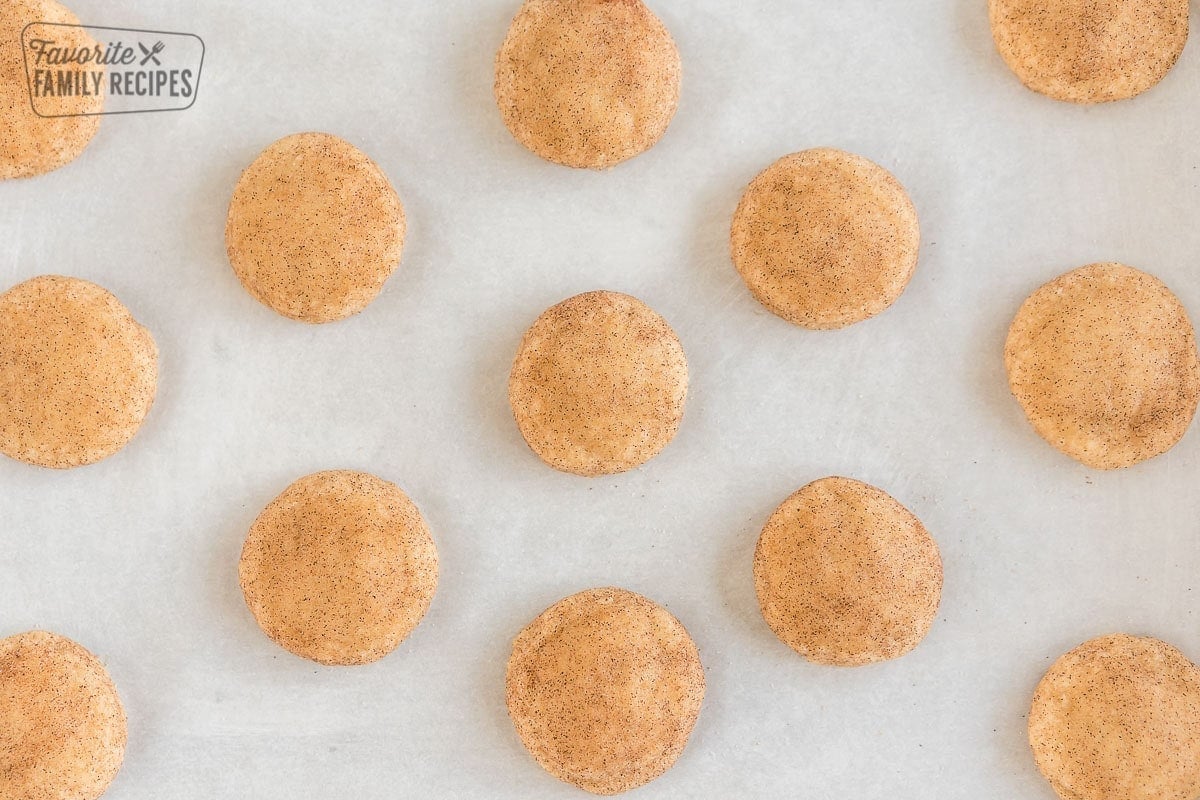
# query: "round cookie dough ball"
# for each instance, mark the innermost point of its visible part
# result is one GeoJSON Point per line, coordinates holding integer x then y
{"type": "Point", "coordinates": [587, 83]}
{"type": "Point", "coordinates": [598, 385]}
{"type": "Point", "coordinates": [31, 144]}
{"type": "Point", "coordinates": [77, 372]}
{"type": "Point", "coordinates": [62, 727]}
{"type": "Point", "coordinates": [1103, 360]}
{"type": "Point", "coordinates": [604, 689]}
{"type": "Point", "coordinates": [1090, 51]}
{"type": "Point", "coordinates": [340, 568]}
{"type": "Point", "coordinates": [1119, 718]}
{"type": "Point", "coordinates": [825, 238]}
{"type": "Point", "coordinates": [847, 576]}
{"type": "Point", "coordinates": [314, 228]}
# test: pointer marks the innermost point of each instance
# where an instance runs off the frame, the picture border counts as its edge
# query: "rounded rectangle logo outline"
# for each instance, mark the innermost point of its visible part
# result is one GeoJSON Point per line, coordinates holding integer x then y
{"type": "Point", "coordinates": [29, 85]}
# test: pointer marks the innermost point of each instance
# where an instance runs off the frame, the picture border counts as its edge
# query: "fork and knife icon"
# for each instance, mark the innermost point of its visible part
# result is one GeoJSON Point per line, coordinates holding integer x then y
{"type": "Point", "coordinates": [151, 54]}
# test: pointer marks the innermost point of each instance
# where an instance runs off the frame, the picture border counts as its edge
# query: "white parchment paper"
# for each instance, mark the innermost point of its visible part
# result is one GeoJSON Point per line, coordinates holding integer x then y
{"type": "Point", "coordinates": [136, 557]}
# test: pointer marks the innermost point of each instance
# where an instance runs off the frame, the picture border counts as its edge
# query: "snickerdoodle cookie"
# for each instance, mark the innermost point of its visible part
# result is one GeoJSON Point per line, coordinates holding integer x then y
{"type": "Point", "coordinates": [33, 143]}
{"type": "Point", "coordinates": [845, 575]}
{"type": "Point", "coordinates": [340, 568]}
{"type": "Point", "coordinates": [1090, 51]}
{"type": "Point", "coordinates": [825, 238]}
{"type": "Point", "coordinates": [604, 689]}
{"type": "Point", "coordinates": [1103, 360]}
{"type": "Point", "coordinates": [78, 374]}
{"type": "Point", "coordinates": [314, 228]}
{"type": "Point", "coordinates": [598, 385]}
{"type": "Point", "coordinates": [1118, 718]}
{"type": "Point", "coordinates": [587, 83]}
{"type": "Point", "coordinates": [62, 726]}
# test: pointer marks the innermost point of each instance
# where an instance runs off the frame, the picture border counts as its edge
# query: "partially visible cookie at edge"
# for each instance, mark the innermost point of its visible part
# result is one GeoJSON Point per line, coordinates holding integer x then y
{"type": "Point", "coordinates": [1090, 52]}
{"type": "Point", "coordinates": [587, 83]}
{"type": "Point", "coordinates": [1103, 361]}
{"type": "Point", "coordinates": [33, 143]}
{"type": "Point", "coordinates": [1119, 717]}
{"type": "Point", "coordinates": [64, 729]}
{"type": "Point", "coordinates": [78, 374]}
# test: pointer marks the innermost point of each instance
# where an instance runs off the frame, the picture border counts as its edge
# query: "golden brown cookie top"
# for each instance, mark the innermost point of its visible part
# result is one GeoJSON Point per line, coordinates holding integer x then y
{"type": "Point", "coordinates": [62, 727]}
{"type": "Point", "coordinates": [845, 575]}
{"type": "Point", "coordinates": [339, 568]}
{"type": "Point", "coordinates": [78, 373]}
{"type": "Point", "coordinates": [1103, 360]}
{"type": "Point", "coordinates": [825, 238]}
{"type": "Point", "coordinates": [598, 385]}
{"type": "Point", "coordinates": [587, 83]}
{"type": "Point", "coordinates": [31, 144]}
{"type": "Point", "coordinates": [1118, 718]}
{"type": "Point", "coordinates": [1090, 51]}
{"type": "Point", "coordinates": [314, 228]}
{"type": "Point", "coordinates": [604, 689]}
